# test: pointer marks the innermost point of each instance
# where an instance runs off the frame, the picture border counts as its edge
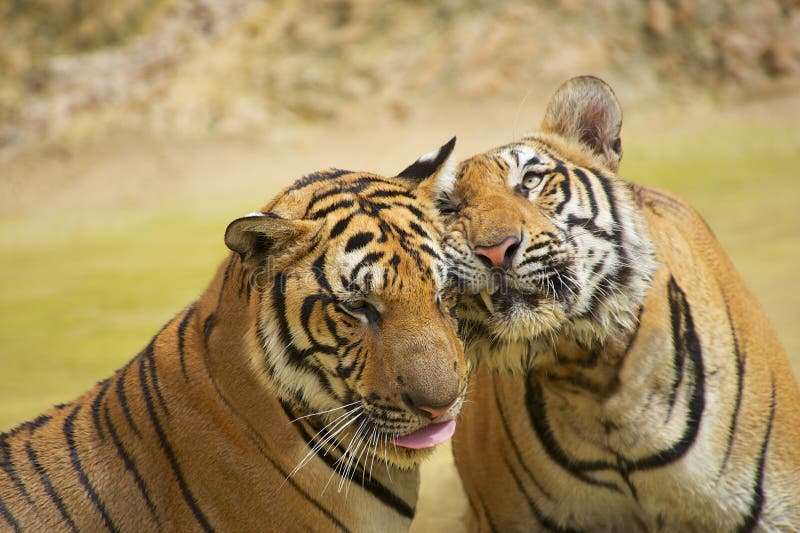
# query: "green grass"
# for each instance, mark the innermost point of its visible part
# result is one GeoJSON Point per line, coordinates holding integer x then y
{"type": "Point", "coordinates": [74, 307]}
{"type": "Point", "coordinates": [79, 296]}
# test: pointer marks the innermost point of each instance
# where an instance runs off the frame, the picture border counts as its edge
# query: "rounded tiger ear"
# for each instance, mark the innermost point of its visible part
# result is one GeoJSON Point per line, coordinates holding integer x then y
{"type": "Point", "coordinates": [585, 109]}
{"type": "Point", "coordinates": [260, 235]}
{"type": "Point", "coordinates": [434, 173]}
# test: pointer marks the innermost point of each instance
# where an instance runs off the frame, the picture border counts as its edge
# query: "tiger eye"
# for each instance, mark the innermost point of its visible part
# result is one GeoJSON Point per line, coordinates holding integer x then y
{"type": "Point", "coordinates": [531, 180]}
{"type": "Point", "coordinates": [357, 304]}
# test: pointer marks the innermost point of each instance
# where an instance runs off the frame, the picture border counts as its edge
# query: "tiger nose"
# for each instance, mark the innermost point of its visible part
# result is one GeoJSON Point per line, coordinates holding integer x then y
{"type": "Point", "coordinates": [435, 412]}
{"type": "Point", "coordinates": [500, 254]}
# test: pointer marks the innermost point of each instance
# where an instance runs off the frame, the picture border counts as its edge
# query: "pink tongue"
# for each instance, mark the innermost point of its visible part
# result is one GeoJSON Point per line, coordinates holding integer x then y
{"type": "Point", "coordinates": [428, 436]}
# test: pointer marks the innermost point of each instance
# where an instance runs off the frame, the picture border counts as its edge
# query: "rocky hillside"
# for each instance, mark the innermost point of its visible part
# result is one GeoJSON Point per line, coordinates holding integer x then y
{"type": "Point", "coordinates": [199, 67]}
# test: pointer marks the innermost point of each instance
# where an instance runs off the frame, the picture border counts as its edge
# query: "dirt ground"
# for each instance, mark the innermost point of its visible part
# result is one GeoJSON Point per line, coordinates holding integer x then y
{"type": "Point", "coordinates": [99, 245]}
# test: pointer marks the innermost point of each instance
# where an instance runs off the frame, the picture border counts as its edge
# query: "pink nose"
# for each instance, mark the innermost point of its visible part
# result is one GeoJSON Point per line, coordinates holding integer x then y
{"type": "Point", "coordinates": [435, 412]}
{"type": "Point", "coordinates": [499, 255]}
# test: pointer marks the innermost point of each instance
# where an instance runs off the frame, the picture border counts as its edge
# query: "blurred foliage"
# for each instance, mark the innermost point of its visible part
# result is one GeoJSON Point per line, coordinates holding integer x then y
{"type": "Point", "coordinates": [36, 31]}
{"type": "Point", "coordinates": [55, 27]}
{"type": "Point", "coordinates": [203, 67]}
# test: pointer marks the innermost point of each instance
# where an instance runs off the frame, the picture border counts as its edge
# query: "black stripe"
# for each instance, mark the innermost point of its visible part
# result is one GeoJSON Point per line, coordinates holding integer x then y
{"type": "Point", "coordinates": [679, 354]}
{"type": "Point", "coordinates": [416, 228]}
{"type": "Point", "coordinates": [38, 422]}
{"type": "Point", "coordinates": [740, 369]}
{"type": "Point", "coordinates": [96, 403]}
{"type": "Point", "coordinates": [8, 466]}
{"type": "Point", "coordinates": [367, 261]}
{"type": "Point", "coordinates": [131, 466]}
{"type": "Point", "coordinates": [757, 502]}
{"type": "Point", "coordinates": [339, 227]}
{"type": "Point", "coordinates": [541, 244]}
{"type": "Point", "coordinates": [258, 441]}
{"type": "Point", "coordinates": [615, 232]}
{"type": "Point", "coordinates": [208, 328]}
{"type": "Point", "coordinates": [316, 177]}
{"type": "Point", "coordinates": [346, 187]}
{"type": "Point", "coordinates": [149, 356]}
{"type": "Point", "coordinates": [123, 400]}
{"type": "Point", "coordinates": [327, 210]}
{"type": "Point", "coordinates": [430, 251]}
{"type": "Point", "coordinates": [357, 241]}
{"type": "Point", "coordinates": [623, 272]}
{"type": "Point", "coordinates": [545, 521]}
{"type": "Point", "coordinates": [9, 517]}
{"type": "Point", "coordinates": [76, 464]}
{"type": "Point", "coordinates": [279, 307]}
{"type": "Point", "coordinates": [537, 414]}
{"type": "Point", "coordinates": [413, 209]}
{"type": "Point", "coordinates": [391, 193]}
{"type": "Point", "coordinates": [514, 446]}
{"type": "Point", "coordinates": [306, 309]}
{"type": "Point", "coordinates": [182, 339]}
{"type": "Point", "coordinates": [49, 487]}
{"type": "Point", "coordinates": [685, 340]}
{"type": "Point", "coordinates": [165, 446]}
{"type": "Point", "coordinates": [318, 269]}
{"type": "Point", "coordinates": [624, 469]}
{"type": "Point", "coordinates": [565, 186]}
{"type": "Point", "coordinates": [295, 356]}
{"type": "Point", "coordinates": [587, 185]}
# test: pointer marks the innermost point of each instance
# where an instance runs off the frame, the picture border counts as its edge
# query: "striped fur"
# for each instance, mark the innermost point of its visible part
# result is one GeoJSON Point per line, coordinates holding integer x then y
{"type": "Point", "coordinates": [645, 389]}
{"type": "Point", "coordinates": [334, 303]}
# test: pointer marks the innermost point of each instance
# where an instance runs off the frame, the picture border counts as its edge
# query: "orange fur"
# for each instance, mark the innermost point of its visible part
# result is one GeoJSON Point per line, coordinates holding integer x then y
{"type": "Point", "coordinates": [640, 385]}
{"type": "Point", "coordinates": [197, 431]}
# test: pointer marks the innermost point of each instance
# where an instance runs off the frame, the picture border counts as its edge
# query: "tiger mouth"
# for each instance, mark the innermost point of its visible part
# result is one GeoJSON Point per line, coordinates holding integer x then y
{"type": "Point", "coordinates": [503, 301]}
{"type": "Point", "coordinates": [427, 436]}
{"type": "Point", "coordinates": [413, 436]}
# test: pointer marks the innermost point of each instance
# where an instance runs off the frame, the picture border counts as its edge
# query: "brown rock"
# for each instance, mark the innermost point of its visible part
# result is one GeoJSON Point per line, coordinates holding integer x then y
{"type": "Point", "coordinates": [779, 58]}
{"type": "Point", "coordinates": [659, 18]}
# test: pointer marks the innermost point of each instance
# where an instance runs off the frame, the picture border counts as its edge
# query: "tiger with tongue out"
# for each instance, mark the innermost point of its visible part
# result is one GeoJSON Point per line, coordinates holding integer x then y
{"type": "Point", "coordinates": [324, 345]}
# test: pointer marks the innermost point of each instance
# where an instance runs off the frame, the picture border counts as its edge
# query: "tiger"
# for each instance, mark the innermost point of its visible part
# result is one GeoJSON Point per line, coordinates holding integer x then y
{"type": "Point", "coordinates": [300, 391]}
{"type": "Point", "coordinates": [627, 379]}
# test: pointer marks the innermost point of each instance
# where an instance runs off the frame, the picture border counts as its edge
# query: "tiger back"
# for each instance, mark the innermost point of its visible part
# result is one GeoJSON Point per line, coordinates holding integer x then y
{"type": "Point", "coordinates": [299, 392]}
{"type": "Point", "coordinates": [628, 380]}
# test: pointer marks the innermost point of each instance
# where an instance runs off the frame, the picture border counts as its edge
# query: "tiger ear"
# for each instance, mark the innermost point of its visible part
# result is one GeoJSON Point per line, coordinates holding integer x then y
{"type": "Point", "coordinates": [433, 174]}
{"type": "Point", "coordinates": [260, 235]}
{"type": "Point", "coordinates": [585, 109]}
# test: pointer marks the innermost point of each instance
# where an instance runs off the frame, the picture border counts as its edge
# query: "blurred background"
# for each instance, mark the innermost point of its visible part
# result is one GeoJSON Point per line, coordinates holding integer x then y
{"type": "Point", "coordinates": [132, 131]}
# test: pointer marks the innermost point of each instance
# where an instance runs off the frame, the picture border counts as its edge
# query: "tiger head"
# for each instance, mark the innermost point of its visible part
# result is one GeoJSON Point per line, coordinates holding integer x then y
{"type": "Point", "coordinates": [354, 313]}
{"type": "Point", "coordinates": [545, 237]}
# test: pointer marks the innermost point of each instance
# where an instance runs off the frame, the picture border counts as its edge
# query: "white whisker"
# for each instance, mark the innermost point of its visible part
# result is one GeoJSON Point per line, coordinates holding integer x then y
{"type": "Point", "coordinates": [323, 412]}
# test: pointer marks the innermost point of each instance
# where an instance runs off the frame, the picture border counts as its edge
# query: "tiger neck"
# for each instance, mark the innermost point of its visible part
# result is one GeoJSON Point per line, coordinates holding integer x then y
{"type": "Point", "coordinates": [222, 323]}
{"type": "Point", "coordinates": [592, 371]}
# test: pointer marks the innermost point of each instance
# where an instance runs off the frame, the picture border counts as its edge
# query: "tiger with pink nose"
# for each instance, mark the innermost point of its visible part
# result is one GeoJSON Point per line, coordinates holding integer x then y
{"type": "Point", "coordinates": [627, 379]}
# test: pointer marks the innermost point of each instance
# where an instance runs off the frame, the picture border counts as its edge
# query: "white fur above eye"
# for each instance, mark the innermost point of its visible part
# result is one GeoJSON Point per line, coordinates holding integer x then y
{"type": "Point", "coordinates": [445, 180]}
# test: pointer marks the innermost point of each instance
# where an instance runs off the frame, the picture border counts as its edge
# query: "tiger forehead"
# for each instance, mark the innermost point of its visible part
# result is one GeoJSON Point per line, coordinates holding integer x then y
{"type": "Point", "coordinates": [506, 165]}
{"type": "Point", "coordinates": [380, 236]}
{"type": "Point", "coordinates": [376, 253]}
{"type": "Point", "coordinates": [485, 171]}
{"type": "Point", "coordinates": [321, 194]}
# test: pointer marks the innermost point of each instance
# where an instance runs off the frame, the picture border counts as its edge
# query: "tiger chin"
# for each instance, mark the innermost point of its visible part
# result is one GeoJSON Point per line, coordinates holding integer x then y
{"type": "Point", "coordinates": [626, 379]}
{"type": "Point", "coordinates": [299, 392]}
